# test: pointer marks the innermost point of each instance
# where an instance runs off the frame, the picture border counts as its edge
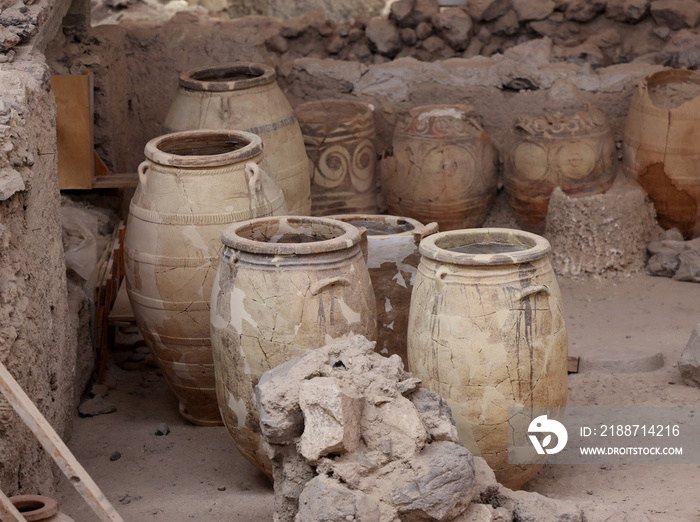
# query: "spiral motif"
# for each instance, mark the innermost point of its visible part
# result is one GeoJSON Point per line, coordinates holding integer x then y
{"type": "Point", "coordinates": [333, 165]}
{"type": "Point", "coordinates": [364, 159]}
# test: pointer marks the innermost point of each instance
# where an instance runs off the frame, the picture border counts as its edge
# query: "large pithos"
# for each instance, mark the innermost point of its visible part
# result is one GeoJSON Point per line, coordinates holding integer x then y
{"type": "Point", "coordinates": [245, 96]}
{"type": "Point", "coordinates": [443, 168]}
{"type": "Point", "coordinates": [661, 147]}
{"type": "Point", "coordinates": [284, 286]}
{"type": "Point", "coordinates": [192, 185]}
{"type": "Point", "coordinates": [486, 331]}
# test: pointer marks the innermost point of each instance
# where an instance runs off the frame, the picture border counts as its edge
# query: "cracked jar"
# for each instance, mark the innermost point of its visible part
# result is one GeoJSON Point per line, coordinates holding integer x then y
{"type": "Point", "coordinates": [486, 330]}
{"type": "Point", "coordinates": [284, 286]}
{"type": "Point", "coordinates": [191, 187]}
{"type": "Point", "coordinates": [443, 168]}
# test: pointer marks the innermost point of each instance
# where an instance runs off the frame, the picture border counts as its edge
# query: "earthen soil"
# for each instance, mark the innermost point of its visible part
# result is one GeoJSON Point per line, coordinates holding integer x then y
{"type": "Point", "coordinates": [672, 95]}
{"type": "Point", "coordinates": [196, 473]}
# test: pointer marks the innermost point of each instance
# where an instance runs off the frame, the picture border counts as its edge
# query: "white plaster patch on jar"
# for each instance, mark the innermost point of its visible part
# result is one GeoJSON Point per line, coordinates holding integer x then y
{"type": "Point", "coordinates": [387, 305]}
{"type": "Point", "coordinates": [216, 320]}
{"type": "Point", "coordinates": [351, 316]}
{"type": "Point", "coordinates": [399, 279]}
{"type": "Point", "coordinates": [443, 112]}
{"type": "Point", "coordinates": [190, 232]}
{"type": "Point", "coordinates": [237, 406]}
{"type": "Point", "coordinates": [238, 311]}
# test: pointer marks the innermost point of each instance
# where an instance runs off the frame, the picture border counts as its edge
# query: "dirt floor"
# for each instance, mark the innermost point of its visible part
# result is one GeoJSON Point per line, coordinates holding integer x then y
{"type": "Point", "coordinates": [196, 473]}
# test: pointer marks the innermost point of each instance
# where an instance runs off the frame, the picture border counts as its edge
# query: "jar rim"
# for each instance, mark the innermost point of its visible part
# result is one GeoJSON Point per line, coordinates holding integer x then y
{"type": "Point", "coordinates": [240, 236]}
{"type": "Point", "coordinates": [163, 149]}
{"type": "Point", "coordinates": [35, 507]}
{"type": "Point", "coordinates": [382, 218]}
{"type": "Point", "coordinates": [214, 78]}
{"type": "Point", "coordinates": [435, 246]}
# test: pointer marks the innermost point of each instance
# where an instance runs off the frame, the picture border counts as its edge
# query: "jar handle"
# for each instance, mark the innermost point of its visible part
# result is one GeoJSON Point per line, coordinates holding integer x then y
{"type": "Point", "coordinates": [440, 274]}
{"type": "Point", "coordinates": [425, 231]}
{"type": "Point", "coordinates": [317, 286]}
{"type": "Point", "coordinates": [142, 174]}
{"type": "Point", "coordinates": [537, 289]}
{"type": "Point", "coordinates": [252, 170]}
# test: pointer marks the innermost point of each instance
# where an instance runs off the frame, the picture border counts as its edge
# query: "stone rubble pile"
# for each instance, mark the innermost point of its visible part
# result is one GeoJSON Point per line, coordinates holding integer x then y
{"type": "Point", "coordinates": [673, 257]}
{"type": "Point", "coordinates": [352, 436]}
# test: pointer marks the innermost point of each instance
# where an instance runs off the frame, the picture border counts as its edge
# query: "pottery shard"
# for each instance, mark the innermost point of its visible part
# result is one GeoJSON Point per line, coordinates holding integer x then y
{"type": "Point", "coordinates": [487, 10]}
{"type": "Point", "coordinates": [331, 418]}
{"type": "Point", "coordinates": [689, 364]}
{"type": "Point", "coordinates": [455, 26]}
{"type": "Point", "coordinates": [676, 14]}
{"type": "Point", "coordinates": [533, 9]}
{"type": "Point", "coordinates": [439, 486]}
{"type": "Point", "coordinates": [326, 499]}
{"type": "Point", "coordinates": [584, 10]}
{"type": "Point", "coordinates": [383, 36]}
{"type": "Point", "coordinates": [435, 414]}
{"type": "Point", "coordinates": [627, 10]}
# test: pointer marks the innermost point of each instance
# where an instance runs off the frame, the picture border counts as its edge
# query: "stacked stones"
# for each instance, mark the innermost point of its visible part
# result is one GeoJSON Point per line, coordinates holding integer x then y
{"type": "Point", "coordinates": [596, 32]}
{"type": "Point", "coordinates": [18, 24]}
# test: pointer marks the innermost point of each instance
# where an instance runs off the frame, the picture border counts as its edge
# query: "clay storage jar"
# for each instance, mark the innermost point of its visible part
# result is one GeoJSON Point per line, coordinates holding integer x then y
{"type": "Point", "coordinates": [192, 186]}
{"type": "Point", "coordinates": [246, 96]}
{"type": "Point", "coordinates": [662, 146]}
{"type": "Point", "coordinates": [574, 152]}
{"type": "Point", "coordinates": [339, 143]}
{"type": "Point", "coordinates": [486, 330]}
{"type": "Point", "coordinates": [391, 253]}
{"type": "Point", "coordinates": [443, 168]}
{"type": "Point", "coordinates": [284, 286]}
{"type": "Point", "coordinates": [38, 508]}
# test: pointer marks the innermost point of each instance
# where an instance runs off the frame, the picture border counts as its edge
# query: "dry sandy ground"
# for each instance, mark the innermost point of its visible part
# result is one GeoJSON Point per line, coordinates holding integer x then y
{"type": "Point", "coordinates": [196, 473]}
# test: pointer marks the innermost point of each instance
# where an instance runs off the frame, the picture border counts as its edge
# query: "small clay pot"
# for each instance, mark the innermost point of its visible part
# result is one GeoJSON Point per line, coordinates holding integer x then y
{"type": "Point", "coordinates": [38, 508]}
{"type": "Point", "coordinates": [338, 136]}
{"type": "Point", "coordinates": [284, 286]}
{"type": "Point", "coordinates": [661, 149]}
{"type": "Point", "coordinates": [570, 151]}
{"type": "Point", "coordinates": [442, 169]}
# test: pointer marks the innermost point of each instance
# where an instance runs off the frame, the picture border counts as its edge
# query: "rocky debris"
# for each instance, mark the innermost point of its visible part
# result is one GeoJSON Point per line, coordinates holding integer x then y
{"type": "Point", "coordinates": [507, 24]}
{"type": "Point", "coordinates": [455, 26]}
{"type": "Point", "coordinates": [627, 10]}
{"type": "Point", "coordinates": [162, 429]}
{"type": "Point", "coordinates": [487, 10]}
{"type": "Point", "coordinates": [689, 364]}
{"type": "Point", "coordinates": [96, 406]}
{"type": "Point", "coordinates": [584, 10]}
{"type": "Point", "coordinates": [673, 257]}
{"type": "Point", "coordinates": [11, 182]}
{"type": "Point", "coordinates": [383, 36]}
{"type": "Point", "coordinates": [115, 456]}
{"type": "Point", "coordinates": [676, 14]}
{"type": "Point", "coordinates": [533, 9]}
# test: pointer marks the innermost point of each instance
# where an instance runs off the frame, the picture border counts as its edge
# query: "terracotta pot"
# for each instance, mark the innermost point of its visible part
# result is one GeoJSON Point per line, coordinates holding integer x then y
{"type": "Point", "coordinates": [574, 152]}
{"type": "Point", "coordinates": [486, 330]}
{"type": "Point", "coordinates": [275, 299]}
{"type": "Point", "coordinates": [662, 151]}
{"type": "Point", "coordinates": [391, 252]}
{"type": "Point", "coordinates": [192, 186]}
{"type": "Point", "coordinates": [443, 168]}
{"type": "Point", "coordinates": [338, 136]}
{"type": "Point", "coordinates": [246, 96]}
{"type": "Point", "coordinates": [38, 508]}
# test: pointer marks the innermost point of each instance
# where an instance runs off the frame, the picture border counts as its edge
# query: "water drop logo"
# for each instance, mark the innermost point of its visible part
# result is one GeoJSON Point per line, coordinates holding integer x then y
{"type": "Point", "coordinates": [547, 426]}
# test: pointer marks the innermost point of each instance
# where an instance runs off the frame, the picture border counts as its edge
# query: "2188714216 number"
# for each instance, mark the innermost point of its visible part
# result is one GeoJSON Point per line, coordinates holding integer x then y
{"type": "Point", "coordinates": [642, 430]}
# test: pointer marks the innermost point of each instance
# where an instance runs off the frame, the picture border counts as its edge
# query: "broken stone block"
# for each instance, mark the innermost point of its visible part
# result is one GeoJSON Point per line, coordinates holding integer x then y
{"type": "Point", "coordinates": [326, 499]}
{"type": "Point", "coordinates": [689, 364]}
{"type": "Point", "coordinates": [10, 182]}
{"type": "Point", "coordinates": [487, 10]}
{"type": "Point", "coordinates": [676, 14]}
{"type": "Point", "coordinates": [424, 30]}
{"type": "Point", "coordinates": [394, 428]}
{"type": "Point", "coordinates": [533, 507]}
{"type": "Point", "coordinates": [627, 10]}
{"type": "Point", "coordinates": [533, 9]}
{"type": "Point", "coordinates": [383, 36]}
{"type": "Point", "coordinates": [401, 11]}
{"type": "Point", "coordinates": [584, 10]}
{"type": "Point", "coordinates": [455, 26]}
{"type": "Point", "coordinates": [331, 418]}
{"type": "Point", "coordinates": [8, 39]}
{"type": "Point", "coordinates": [507, 24]}
{"type": "Point", "coordinates": [435, 414]}
{"type": "Point", "coordinates": [96, 406]}
{"type": "Point", "coordinates": [440, 484]}
{"type": "Point", "coordinates": [408, 36]}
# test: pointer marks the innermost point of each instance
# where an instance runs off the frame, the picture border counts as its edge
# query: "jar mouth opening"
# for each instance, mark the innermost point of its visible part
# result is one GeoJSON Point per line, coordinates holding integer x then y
{"type": "Point", "coordinates": [485, 246]}
{"type": "Point", "coordinates": [203, 148]}
{"type": "Point", "coordinates": [665, 78]}
{"type": "Point", "coordinates": [381, 226]}
{"type": "Point", "coordinates": [290, 235]}
{"type": "Point", "coordinates": [228, 77]}
{"type": "Point", "coordinates": [35, 507]}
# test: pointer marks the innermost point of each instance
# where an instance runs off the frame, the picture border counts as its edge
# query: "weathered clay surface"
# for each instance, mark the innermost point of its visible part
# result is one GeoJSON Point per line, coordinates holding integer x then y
{"type": "Point", "coordinates": [689, 364]}
{"type": "Point", "coordinates": [487, 332]}
{"type": "Point", "coordinates": [275, 298]}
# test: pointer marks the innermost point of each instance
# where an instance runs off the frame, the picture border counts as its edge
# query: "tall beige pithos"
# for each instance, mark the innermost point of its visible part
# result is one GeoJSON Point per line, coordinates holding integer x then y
{"type": "Point", "coordinates": [246, 96]}
{"type": "Point", "coordinates": [192, 185]}
{"type": "Point", "coordinates": [391, 252]}
{"type": "Point", "coordinates": [284, 286]}
{"type": "Point", "coordinates": [486, 330]}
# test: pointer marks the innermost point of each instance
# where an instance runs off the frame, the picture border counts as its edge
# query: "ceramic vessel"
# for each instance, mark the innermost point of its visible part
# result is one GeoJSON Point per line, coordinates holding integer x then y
{"type": "Point", "coordinates": [192, 186]}
{"type": "Point", "coordinates": [246, 96]}
{"type": "Point", "coordinates": [390, 245]}
{"type": "Point", "coordinates": [284, 286]}
{"type": "Point", "coordinates": [443, 168]}
{"type": "Point", "coordinates": [486, 330]}
{"type": "Point", "coordinates": [38, 508]}
{"type": "Point", "coordinates": [570, 151]}
{"type": "Point", "coordinates": [339, 136]}
{"type": "Point", "coordinates": [661, 151]}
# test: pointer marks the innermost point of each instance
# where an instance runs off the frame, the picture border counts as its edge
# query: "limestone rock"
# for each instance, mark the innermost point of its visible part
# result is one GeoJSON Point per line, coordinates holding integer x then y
{"type": "Point", "coordinates": [433, 44]}
{"type": "Point", "coordinates": [507, 24]}
{"type": "Point", "coordinates": [440, 484]}
{"type": "Point", "coordinates": [586, 53]}
{"type": "Point", "coordinates": [10, 182]}
{"type": "Point", "coordinates": [423, 11]}
{"type": "Point", "coordinates": [408, 36]}
{"type": "Point", "coordinates": [277, 44]}
{"type": "Point", "coordinates": [584, 10]}
{"type": "Point", "coordinates": [435, 414]}
{"type": "Point", "coordinates": [424, 30]}
{"type": "Point", "coordinates": [676, 14]}
{"type": "Point", "coordinates": [383, 36]}
{"type": "Point", "coordinates": [487, 10]}
{"type": "Point", "coordinates": [533, 507]}
{"type": "Point", "coordinates": [539, 50]}
{"type": "Point", "coordinates": [96, 406]}
{"type": "Point", "coordinates": [394, 428]}
{"type": "Point", "coordinates": [682, 49]}
{"type": "Point", "coordinates": [454, 25]}
{"type": "Point", "coordinates": [627, 10]}
{"type": "Point", "coordinates": [8, 39]}
{"type": "Point", "coordinates": [533, 9]}
{"type": "Point", "coordinates": [401, 11]}
{"type": "Point", "coordinates": [331, 418]}
{"type": "Point", "coordinates": [326, 499]}
{"type": "Point", "coordinates": [689, 364]}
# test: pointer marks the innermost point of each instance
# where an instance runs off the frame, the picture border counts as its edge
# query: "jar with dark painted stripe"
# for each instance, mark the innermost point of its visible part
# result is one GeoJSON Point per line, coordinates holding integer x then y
{"type": "Point", "coordinates": [192, 185]}
{"type": "Point", "coordinates": [245, 96]}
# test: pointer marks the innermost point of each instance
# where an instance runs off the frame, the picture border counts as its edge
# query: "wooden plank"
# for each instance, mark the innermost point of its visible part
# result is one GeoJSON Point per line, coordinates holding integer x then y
{"type": "Point", "coordinates": [74, 144]}
{"type": "Point", "coordinates": [121, 311]}
{"type": "Point", "coordinates": [100, 167]}
{"type": "Point", "coordinates": [124, 180]}
{"type": "Point", "coordinates": [56, 448]}
{"type": "Point", "coordinates": [572, 364]}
